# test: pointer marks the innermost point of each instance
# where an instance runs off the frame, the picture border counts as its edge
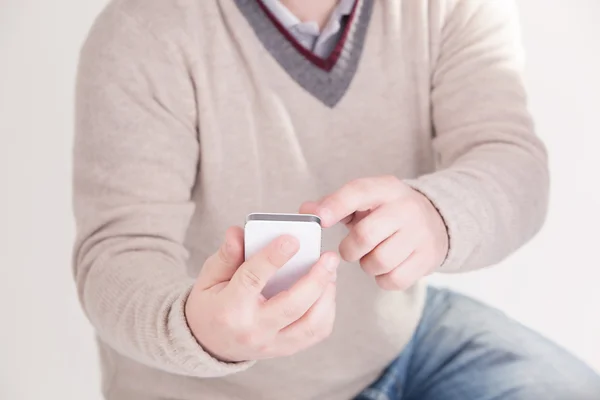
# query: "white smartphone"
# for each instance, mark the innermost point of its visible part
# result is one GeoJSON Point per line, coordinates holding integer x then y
{"type": "Point", "coordinates": [262, 229]}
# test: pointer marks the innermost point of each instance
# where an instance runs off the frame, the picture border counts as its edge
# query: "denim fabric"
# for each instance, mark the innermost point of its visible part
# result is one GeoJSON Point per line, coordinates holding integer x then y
{"type": "Point", "coordinates": [465, 350]}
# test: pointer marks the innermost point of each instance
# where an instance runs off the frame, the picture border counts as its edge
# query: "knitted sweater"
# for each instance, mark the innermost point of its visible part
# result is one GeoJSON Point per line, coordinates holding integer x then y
{"type": "Point", "coordinates": [192, 114]}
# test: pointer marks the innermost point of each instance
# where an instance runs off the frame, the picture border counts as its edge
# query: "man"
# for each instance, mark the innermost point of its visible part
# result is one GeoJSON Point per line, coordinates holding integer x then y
{"type": "Point", "coordinates": [402, 124]}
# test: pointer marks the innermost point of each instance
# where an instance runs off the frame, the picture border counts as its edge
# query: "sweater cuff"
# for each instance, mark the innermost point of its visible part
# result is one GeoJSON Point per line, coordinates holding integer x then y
{"type": "Point", "coordinates": [192, 358]}
{"type": "Point", "coordinates": [459, 208]}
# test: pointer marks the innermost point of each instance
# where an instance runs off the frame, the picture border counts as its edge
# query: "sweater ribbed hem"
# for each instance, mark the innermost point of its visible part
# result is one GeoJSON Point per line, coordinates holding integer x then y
{"type": "Point", "coordinates": [454, 202]}
{"type": "Point", "coordinates": [189, 354]}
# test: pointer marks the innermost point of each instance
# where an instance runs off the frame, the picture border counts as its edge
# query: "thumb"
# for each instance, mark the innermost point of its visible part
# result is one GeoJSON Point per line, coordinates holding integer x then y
{"type": "Point", "coordinates": [221, 266]}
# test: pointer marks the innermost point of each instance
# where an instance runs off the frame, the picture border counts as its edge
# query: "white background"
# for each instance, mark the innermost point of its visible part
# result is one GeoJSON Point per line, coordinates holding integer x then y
{"type": "Point", "coordinates": [46, 346]}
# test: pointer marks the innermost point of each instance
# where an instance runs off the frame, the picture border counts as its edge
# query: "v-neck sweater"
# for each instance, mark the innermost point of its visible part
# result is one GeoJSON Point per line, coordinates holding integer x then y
{"type": "Point", "coordinates": [192, 114]}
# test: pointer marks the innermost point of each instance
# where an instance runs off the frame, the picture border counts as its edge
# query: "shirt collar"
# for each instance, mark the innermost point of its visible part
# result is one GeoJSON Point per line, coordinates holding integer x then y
{"type": "Point", "coordinates": [288, 20]}
{"type": "Point", "coordinates": [284, 16]}
{"type": "Point", "coordinates": [345, 7]}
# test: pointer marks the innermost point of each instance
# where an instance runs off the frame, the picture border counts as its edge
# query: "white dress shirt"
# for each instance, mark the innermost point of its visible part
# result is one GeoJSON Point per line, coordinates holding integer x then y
{"type": "Point", "coordinates": [321, 43]}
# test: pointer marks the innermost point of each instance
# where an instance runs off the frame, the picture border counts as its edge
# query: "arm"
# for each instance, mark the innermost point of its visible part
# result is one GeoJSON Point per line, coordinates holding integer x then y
{"type": "Point", "coordinates": [492, 185]}
{"type": "Point", "coordinates": [135, 163]}
{"type": "Point", "coordinates": [136, 158]}
{"type": "Point", "coordinates": [489, 193]}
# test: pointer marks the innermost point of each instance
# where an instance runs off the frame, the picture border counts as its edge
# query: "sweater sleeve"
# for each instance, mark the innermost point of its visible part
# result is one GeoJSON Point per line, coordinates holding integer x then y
{"type": "Point", "coordinates": [135, 162]}
{"type": "Point", "coordinates": [491, 185]}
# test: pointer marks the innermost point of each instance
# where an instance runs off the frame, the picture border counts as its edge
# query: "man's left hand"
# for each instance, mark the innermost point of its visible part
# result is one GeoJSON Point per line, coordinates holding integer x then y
{"type": "Point", "coordinates": [395, 232]}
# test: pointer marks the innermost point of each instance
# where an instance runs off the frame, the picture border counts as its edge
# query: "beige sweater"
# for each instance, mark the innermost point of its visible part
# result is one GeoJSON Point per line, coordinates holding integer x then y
{"type": "Point", "coordinates": [191, 114]}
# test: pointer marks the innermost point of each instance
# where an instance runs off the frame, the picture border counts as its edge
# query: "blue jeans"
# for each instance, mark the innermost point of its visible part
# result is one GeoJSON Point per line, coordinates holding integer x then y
{"type": "Point", "coordinates": [465, 350]}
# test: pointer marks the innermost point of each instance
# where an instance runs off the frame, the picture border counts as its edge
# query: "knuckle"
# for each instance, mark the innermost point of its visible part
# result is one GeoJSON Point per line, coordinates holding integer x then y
{"type": "Point", "coordinates": [322, 331]}
{"type": "Point", "coordinates": [369, 266]}
{"type": "Point", "coordinates": [249, 279]}
{"type": "Point", "coordinates": [363, 235]}
{"type": "Point", "coordinates": [222, 255]}
{"type": "Point", "coordinates": [381, 282]}
{"type": "Point", "coordinates": [400, 283]}
{"type": "Point", "coordinates": [317, 288]}
{"type": "Point", "coordinates": [386, 283]}
{"type": "Point", "coordinates": [290, 312]}
{"type": "Point", "coordinates": [234, 319]}
{"type": "Point", "coordinates": [264, 348]}
{"type": "Point", "coordinates": [345, 251]}
{"type": "Point", "coordinates": [317, 331]}
{"type": "Point", "coordinates": [324, 282]}
{"type": "Point", "coordinates": [392, 181]}
{"type": "Point", "coordinates": [310, 332]}
{"type": "Point", "coordinates": [321, 280]}
{"type": "Point", "coordinates": [358, 185]}
{"type": "Point", "coordinates": [286, 351]}
{"type": "Point", "coordinates": [327, 329]}
{"type": "Point", "coordinates": [225, 319]}
{"type": "Point", "coordinates": [378, 261]}
{"type": "Point", "coordinates": [277, 256]}
{"type": "Point", "coordinates": [366, 266]}
{"type": "Point", "coordinates": [249, 339]}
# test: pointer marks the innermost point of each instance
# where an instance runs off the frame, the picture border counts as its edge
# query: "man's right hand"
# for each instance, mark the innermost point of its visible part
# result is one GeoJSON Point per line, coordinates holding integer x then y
{"type": "Point", "coordinates": [234, 322]}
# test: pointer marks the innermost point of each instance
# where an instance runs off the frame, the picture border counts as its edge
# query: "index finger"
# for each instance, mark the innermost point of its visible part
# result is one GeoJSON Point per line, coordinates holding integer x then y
{"type": "Point", "coordinates": [253, 275]}
{"type": "Point", "coordinates": [358, 195]}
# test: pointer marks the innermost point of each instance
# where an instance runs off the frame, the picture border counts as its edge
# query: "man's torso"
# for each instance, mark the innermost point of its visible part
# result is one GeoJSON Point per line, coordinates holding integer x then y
{"type": "Point", "coordinates": [269, 141]}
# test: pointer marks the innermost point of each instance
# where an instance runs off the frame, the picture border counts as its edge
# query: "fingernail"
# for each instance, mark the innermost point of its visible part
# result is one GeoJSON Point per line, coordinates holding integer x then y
{"type": "Point", "coordinates": [334, 276]}
{"type": "Point", "coordinates": [326, 215]}
{"type": "Point", "coordinates": [331, 264]}
{"type": "Point", "coordinates": [227, 246]}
